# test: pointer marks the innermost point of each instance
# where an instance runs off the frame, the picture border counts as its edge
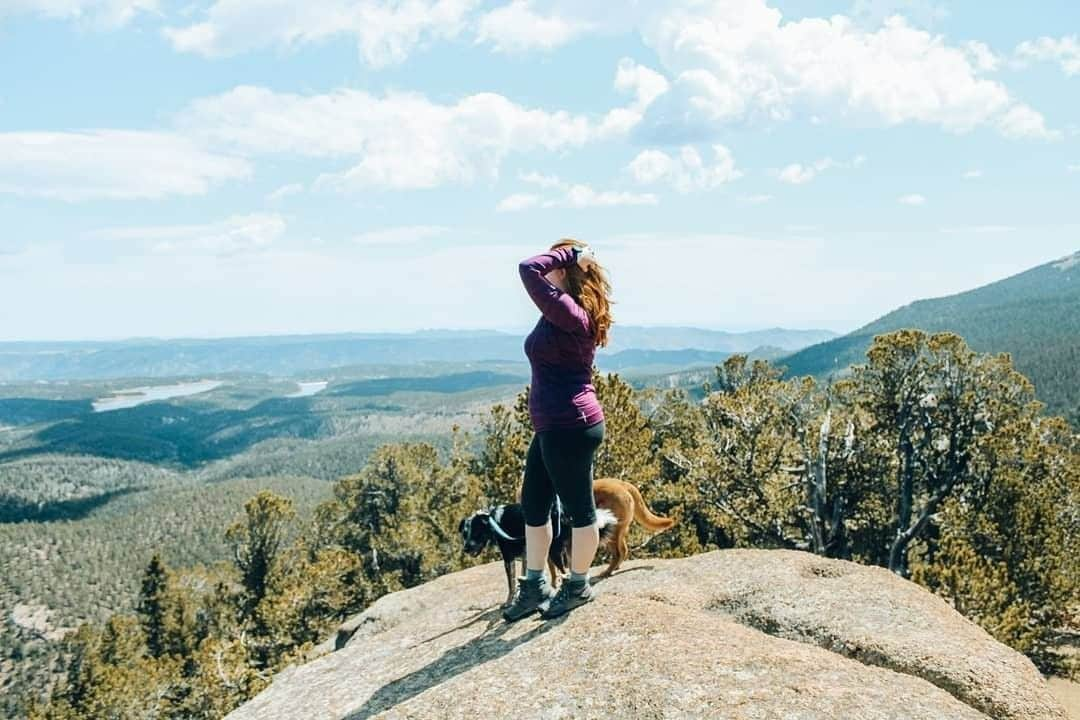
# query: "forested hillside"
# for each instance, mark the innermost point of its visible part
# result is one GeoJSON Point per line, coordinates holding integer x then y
{"type": "Point", "coordinates": [984, 516]}
{"type": "Point", "coordinates": [1034, 316]}
{"type": "Point", "coordinates": [58, 575]}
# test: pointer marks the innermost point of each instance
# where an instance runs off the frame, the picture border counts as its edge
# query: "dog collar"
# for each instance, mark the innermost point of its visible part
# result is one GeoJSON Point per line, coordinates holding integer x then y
{"type": "Point", "coordinates": [499, 531]}
{"type": "Point", "coordinates": [557, 525]}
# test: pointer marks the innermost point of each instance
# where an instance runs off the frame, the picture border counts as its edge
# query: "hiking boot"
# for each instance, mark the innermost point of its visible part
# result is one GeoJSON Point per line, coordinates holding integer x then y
{"type": "Point", "coordinates": [530, 595]}
{"type": "Point", "coordinates": [570, 595]}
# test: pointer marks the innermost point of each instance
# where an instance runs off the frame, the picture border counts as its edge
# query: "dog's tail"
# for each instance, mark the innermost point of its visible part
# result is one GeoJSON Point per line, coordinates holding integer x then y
{"type": "Point", "coordinates": [644, 516]}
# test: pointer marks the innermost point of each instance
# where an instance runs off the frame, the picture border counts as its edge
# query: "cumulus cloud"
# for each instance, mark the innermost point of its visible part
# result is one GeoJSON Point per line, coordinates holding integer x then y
{"type": "Point", "coordinates": [981, 56]}
{"type": "Point", "coordinates": [1065, 51]}
{"type": "Point", "coordinates": [111, 164]}
{"type": "Point", "coordinates": [735, 60]}
{"type": "Point", "coordinates": [914, 199]}
{"type": "Point", "coordinates": [687, 171]}
{"type": "Point", "coordinates": [518, 27]}
{"type": "Point", "coordinates": [873, 12]}
{"type": "Point", "coordinates": [729, 60]}
{"type": "Point", "coordinates": [234, 235]}
{"type": "Point", "coordinates": [644, 84]}
{"type": "Point", "coordinates": [403, 140]}
{"type": "Point", "coordinates": [1021, 121]}
{"type": "Point", "coordinates": [569, 195]}
{"type": "Point", "coordinates": [972, 174]}
{"type": "Point", "coordinates": [797, 173]}
{"type": "Point", "coordinates": [386, 31]}
{"type": "Point", "coordinates": [399, 140]}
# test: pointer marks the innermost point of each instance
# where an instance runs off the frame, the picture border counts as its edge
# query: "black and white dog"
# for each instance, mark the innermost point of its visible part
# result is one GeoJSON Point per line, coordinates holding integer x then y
{"type": "Point", "coordinates": [504, 525]}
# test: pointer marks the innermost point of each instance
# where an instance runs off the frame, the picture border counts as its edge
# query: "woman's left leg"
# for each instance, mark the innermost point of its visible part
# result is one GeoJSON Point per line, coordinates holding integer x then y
{"type": "Point", "coordinates": [537, 495]}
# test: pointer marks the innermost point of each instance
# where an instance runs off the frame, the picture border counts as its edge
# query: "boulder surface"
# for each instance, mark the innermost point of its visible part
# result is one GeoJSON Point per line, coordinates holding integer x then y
{"type": "Point", "coordinates": [740, 634]}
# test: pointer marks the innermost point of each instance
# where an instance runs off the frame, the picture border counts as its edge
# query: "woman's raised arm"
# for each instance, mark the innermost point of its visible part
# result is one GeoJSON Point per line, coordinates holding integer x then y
{"type": "Point", "coordinates": [557, 306]}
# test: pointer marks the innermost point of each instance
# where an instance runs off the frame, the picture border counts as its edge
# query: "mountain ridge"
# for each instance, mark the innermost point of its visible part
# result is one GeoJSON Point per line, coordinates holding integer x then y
{"type": "Point", "coordinates": [288, 355]}
{"type": "Point", "coordinates": [1033, 315]}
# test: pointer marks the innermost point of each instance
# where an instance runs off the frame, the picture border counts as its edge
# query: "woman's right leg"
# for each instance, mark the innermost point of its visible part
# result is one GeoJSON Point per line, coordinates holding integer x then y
{"type": "Point", "coordinates": [537, 496]}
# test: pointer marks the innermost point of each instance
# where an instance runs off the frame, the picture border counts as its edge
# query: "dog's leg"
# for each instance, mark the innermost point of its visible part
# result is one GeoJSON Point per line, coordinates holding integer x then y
{"type": "Point", "coordinates": [622, 550]}
{"type": "Point", "coordinates": [556, 577]}
{"type": "Point", "coordinates": [616, 547]}
{"type": "Point", "coordinates": [508, 566]}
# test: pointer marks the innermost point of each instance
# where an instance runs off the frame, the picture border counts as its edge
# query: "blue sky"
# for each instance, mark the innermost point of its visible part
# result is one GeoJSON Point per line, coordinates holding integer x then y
{"type": "Point", "coordinates": [238, 167]}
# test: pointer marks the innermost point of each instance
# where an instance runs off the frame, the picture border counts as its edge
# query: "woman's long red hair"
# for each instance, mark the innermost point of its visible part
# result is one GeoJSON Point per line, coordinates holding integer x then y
{"type": "Point", "coordinates": [592, 289]}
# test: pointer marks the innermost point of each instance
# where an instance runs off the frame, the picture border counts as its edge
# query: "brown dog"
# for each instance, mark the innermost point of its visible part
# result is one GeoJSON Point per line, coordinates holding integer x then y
{"type": "Point", "coordinates": [625, 502]}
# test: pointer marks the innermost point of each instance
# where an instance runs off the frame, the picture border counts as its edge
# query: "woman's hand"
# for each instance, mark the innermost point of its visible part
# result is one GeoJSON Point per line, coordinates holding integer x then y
{"type": "Point", "coordinates": [586, 257]}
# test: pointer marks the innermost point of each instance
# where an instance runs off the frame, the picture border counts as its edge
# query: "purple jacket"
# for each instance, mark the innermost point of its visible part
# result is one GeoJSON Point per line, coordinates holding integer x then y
{"type": "Point", "coordinates": [561, 349]}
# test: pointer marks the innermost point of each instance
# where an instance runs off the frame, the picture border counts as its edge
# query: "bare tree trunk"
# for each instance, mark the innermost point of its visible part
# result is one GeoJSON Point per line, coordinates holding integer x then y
{"type": "Point", "coordinates": [820, 486]}
{"type": "Point", "coordinates": [898, 551]}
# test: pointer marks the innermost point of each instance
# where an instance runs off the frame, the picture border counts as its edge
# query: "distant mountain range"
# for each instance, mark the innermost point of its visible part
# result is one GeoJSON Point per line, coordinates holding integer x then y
{"type": "Point", "coordinates": [291, 354]}
{"type": "Point", "coordinates": [1034, 316]}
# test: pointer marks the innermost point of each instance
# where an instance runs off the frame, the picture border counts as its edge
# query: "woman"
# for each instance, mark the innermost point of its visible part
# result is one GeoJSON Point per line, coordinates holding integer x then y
{"type": "Point", "coordinates": [571, 290]}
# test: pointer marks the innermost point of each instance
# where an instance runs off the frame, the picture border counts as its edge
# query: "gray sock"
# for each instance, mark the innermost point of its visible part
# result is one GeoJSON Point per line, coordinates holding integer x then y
{"type": "Point", "coordinates": [579, 577]}
{"type": "Point", "coordinates": [531, 574]}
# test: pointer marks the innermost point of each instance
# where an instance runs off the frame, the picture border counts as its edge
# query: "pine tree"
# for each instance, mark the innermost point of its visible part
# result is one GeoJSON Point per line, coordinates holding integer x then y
{"type": "Point", "coordinates": [256, 541]}
{"type": "Point", "coordinates": [153, 606]}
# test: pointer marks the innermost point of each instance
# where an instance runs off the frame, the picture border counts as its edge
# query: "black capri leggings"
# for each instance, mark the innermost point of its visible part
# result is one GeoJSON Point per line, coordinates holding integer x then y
{"type": "Point", "coordinates": [560, 461]}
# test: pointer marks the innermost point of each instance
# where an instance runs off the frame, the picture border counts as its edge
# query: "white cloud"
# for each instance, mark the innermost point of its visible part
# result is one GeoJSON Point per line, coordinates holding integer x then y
{"type": "Point", "coordinates": [110, 164]}
{"type": "Point", "coordinates": [645, 84]}
{"type": "Point", "coordinates": [972, 174]}
{"type": "Point", "coordinates": [386, 31]}
{"type": "Point", "coordinates": [1064, 51]}
{"type": "Point", "coordinates": [1021, 121]}
{"type": "Point", "coordinates": [403, 235]}
{"type": "Point", "coordinates": [873, 12]}
{"type": "Point", "coordinates": [518, 201]}
{"type": "Point", "coordinates": [544, 181]}
{"type": "Point", "coordinates": [982, 57]}
{"type": "Point", "coordinates": [912, 199]}
{"type": "Point", "coordinates": [234, 235]}
{"type": "Point", "coordinates": [582, 196]}
{"type": "Point", "coordinates": [730, 60]}
{"type": "Point", "coordinates": [755, 199]}
{"type": "Point", "coordinates": [285, 191]}
{"type": "Point", "coordinates": [686, 171]}
{"type": "Point", "coordinates": [517, 27]}
{"type": "Point", "coordinates": [570, 195]}
{"type": "Point", "coordinates": [735, 60]}
{"type": "Point", "coordinates": [1074, 168]}
{"type": "Point", "coordinates": [403, 140]}
{"type": "Point", "coordinates": [104, 13]}
{"type": "Point", "coordinates": [542, 25]}
{"type": "Point", "coordinates": [798, 174]}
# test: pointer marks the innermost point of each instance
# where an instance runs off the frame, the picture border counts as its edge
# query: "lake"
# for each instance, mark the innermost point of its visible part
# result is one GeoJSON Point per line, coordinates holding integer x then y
{"type": "Point", "coordinates": [138, 396]}
{"type": "Point", "coordinates": [309, 388]}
